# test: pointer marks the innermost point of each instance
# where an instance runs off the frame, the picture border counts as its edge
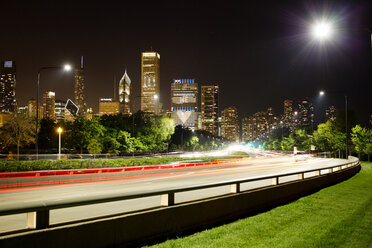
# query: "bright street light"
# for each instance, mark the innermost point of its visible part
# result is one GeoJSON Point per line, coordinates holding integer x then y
{"type": "Point", "coordinates": [322, 30]}
{"type": "Point", "coordinates": [59, 130]}
{"type": "Point", "coordinates": [321, 93]}
{"type": "Point", "coordinates": [67, 67]}
{"type": "Point", "coordinates": [156, 97]}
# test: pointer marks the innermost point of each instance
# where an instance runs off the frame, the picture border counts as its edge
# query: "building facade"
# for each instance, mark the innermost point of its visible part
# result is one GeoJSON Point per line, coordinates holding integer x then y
{"type": "Point", "coordinates": [49, 105]}
{"type": "Point", "coordinates": [125, 94]}
{"type": "Point", "coordinates": [330, 113]}
{"type": "Point", "coordinates": [79, 87]}
{"type": "Point", "coordinates": [150, 82]}
{"type": "Point", "coordinates": [261, 124]}
{"type": "Point", "coordinates": [107, 106]}
{"type": "Point", "coordinates": [230, 125]}
{"type": "Point", "coordinates": [60, 110]}
{"type": "Point", "coordinates": [305, 113]}
{"type": "Point", "coordinates": [245, 130]}
{"type": "Point", "coordinates": [287, 113]}
{"type": "Point", "coordinates": [8, 102]}
{"type": "Point", "coordinates": [210, 108]}
{"type": "Point", "coordinates": [184, 103]}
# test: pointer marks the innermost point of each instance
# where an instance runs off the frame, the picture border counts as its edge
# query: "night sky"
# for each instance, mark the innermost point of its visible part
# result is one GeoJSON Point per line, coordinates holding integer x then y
{"type": "Point", "coordinates": [258, 51]}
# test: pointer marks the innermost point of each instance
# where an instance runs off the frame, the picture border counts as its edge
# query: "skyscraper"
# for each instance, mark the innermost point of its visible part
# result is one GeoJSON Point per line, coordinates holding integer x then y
{"type": "Point", "coordinates": [184, 103]}
{"type": "Point", "coordinates": [7, 87]}
{"type": "Point", "coordinates": [261, 124]}
{"type": "Point", "coordinates": [210, 108]}
{"type": "Point", "coordinates": [245, 130]}
{"type": "Point", "coordinates": [49, 105]}
{"type": "Point", "coordinates": [230, 126]}
{"type": "Point", "coordinates": [60, 110]}
{"type": "Point", "coordinates": [79, 89]}
{"type": "Point", "coordinates": [287, 113]}
{"type": "Point", "coordinates": [330, 113]}
{"type": "Point", "coordinates": [306, 113]}
{"type": "Point", "coordinates": [150, 82]}
{"type": "Point", "coordinates": [125, 94]}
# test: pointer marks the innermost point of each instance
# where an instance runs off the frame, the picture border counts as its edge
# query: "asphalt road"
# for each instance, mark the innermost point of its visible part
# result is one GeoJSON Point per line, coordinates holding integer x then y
{"type": "Point", "coordinates": [27, 191]}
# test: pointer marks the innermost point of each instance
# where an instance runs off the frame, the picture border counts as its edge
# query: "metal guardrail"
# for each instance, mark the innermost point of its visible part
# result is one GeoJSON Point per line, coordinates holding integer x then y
{"type": "Point", "coordinates": [38, 213]}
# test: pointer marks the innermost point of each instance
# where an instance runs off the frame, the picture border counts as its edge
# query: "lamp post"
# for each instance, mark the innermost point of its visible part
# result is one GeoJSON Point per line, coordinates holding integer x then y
{"type": "Point", "coordinates": [66, 68]}
{"type": "Point", "coordinates": [322, 31]}
{"type": "Point", "coordinates": [59, 130]}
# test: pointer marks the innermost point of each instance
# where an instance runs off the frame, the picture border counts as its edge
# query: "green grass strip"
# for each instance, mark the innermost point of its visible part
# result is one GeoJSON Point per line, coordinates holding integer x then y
{"type": "Point", "coordinates": [337, 216]}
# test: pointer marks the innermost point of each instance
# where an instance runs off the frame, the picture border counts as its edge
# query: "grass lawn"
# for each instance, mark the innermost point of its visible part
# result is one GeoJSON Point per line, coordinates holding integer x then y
{"type": "Point", "coordinates": [338, 216]}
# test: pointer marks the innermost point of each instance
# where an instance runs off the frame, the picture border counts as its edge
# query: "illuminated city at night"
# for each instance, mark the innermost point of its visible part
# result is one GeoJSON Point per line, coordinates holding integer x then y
{"type": "Point", "coordinates": [186, 124]}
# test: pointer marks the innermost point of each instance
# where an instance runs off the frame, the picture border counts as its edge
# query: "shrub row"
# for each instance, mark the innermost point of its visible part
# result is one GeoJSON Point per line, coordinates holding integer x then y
{"type": "Point", "coordinates": [8, 166]}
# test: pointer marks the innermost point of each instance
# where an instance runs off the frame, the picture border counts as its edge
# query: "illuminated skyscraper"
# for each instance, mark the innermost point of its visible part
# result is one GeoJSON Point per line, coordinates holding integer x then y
{"type": "Point", "coordinates": [125, 94]}
{"type": "Point", "coordinates": [210, 108]}
{"type": "Point", "coordinates": [49, 105]}
{"type": "Point", "coordinates": [150, 82]}
{"type": "Point", "coordinates": [79, 89]}
{"type": "Point", "coordinates": [230, 126]}
{"type": "Point", "coordinates": [60, 110]}
{"type": "Point", "coordinates": [288, 113]}
{"type": "Point", "coordinates": [261, 124]}
{"type": "Point", "coordinates": [107, 106]}
{"type": "Point", "coordinates": [184, 103]}
{"type": "Point", "coordinates": [330, 113]}
{"type": "Point", "coordinates": [245, 130]}
{"type": "Point", "coordinates": [306, 113]}
{"type": "Point", "coordinates": [7, 87]}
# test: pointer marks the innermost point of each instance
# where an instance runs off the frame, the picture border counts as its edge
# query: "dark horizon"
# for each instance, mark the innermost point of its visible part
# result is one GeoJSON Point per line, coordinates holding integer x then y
{"type": "Point", "coordinates": [259, 53]}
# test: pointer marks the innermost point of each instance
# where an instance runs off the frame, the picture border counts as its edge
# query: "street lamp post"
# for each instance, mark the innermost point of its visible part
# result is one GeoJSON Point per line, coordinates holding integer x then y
{"type": "Point", "coordinates": [66, 68]}
{"type": "Point", "coordinates": [59, 130]}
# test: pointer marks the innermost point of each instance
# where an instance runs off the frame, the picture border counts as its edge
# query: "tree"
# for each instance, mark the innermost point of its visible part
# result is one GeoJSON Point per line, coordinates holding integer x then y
{"type": "Point", "coordinates": [80, 132]}
{"type": "Point", "coordinates": [94, 147]}
{"type": "Point", "coordinates": [192, 143]}
{"type": "Point", "coordinates": [328, 137]}
{"type": "Point", "coordinates": [19, 131]}
{"type": "Point", "coordinates": [126, 141]}
{"type": "Point", "coordinates": [368, 150]}
{"type": "Point", "coordinates": [154, 132]}
{"type": "Point", "coordinates": [359, 137]}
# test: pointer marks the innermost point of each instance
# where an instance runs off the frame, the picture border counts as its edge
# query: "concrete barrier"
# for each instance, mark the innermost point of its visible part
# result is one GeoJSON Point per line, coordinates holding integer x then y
{"type": "Point", "coordinates": [158, 224]}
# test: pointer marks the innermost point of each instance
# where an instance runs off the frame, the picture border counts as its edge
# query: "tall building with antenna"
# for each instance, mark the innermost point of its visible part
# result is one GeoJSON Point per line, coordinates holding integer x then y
{"type": "Point", "coordinates": [79, 89]}
{"type": "Point", "coordinates": [125, 94]}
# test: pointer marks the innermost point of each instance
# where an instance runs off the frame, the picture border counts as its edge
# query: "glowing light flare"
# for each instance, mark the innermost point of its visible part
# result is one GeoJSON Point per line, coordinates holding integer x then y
{"type": "Point", "coordinates": [67, 67]}
{"type": "Point", "coordinates": [321, 93]}
{"type": "Point", "coordinates": [59, 130]}
{"type": "Point", "coordinates": [322, 30]}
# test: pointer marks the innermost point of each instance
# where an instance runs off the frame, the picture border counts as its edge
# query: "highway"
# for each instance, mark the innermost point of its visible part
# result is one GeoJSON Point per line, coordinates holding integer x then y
{"type": "Point", "coordinates": [28, 190]}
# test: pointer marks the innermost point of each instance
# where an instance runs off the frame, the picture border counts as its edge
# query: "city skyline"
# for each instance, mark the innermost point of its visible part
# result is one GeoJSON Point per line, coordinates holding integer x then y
{"type": "Point", "coordinates": [246, 60]}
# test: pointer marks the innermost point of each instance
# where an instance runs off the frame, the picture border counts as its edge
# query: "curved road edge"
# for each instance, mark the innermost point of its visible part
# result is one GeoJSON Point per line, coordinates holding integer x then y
{"type": "Point", "coordinates": [159, 224]}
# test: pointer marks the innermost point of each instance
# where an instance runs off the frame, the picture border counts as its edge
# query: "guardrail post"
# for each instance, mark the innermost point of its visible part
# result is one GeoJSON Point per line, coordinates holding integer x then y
{"type": "Point", "coordinates": [317, 173]}
{"type": "Point", "coordinates": [275, 181]}
{"type": "Point", "coordinates": [300, 176]}
{"type": "Point", "coordinates": [38, 219]}
{"type": "Point", "coordinates": [167, 199]}
{"type": "Point", "coordinates": [235, 188]}
{"type": "Point", "coordinates": [330, 170]}
{"type": "Point", "coordinates": [340, 167]}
